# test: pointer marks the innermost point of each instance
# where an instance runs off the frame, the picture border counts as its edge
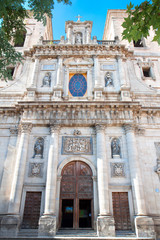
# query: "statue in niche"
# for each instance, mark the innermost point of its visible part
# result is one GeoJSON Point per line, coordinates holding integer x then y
{"type": "Point", "coordinates": [108, 79]}
{"type": "Point", "coordinates": [78, 38]}
{"type": "Point", "coordinates": [115, 147]}
{"type": "Point", "coordinates": [46, 80]}
{"type": "Point", "coordinates": [38, 147]}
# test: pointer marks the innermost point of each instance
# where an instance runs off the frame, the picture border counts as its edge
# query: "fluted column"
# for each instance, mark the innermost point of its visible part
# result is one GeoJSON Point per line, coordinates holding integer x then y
{"type": "Point", "coordinates": [144, 224]}
{"type": "Point", "coordinates": [11, 222]}
{"type": "Point", "coordinates": [105, 222]}
{"type": "Point", "coordinates": [47, 223]}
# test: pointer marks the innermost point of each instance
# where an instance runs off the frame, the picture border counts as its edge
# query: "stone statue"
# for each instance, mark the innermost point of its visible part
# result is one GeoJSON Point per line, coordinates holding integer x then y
{"type": "Point", "coordinates": [38, 147]}
{"type": "Point", "coordinates": [78, 38]}
{"type": "Point", "coordinates": [108, 79]}
{"type": "Point", "coordinates": [46, 80]}
{"type": "Point", "coordinates": [115, 147]}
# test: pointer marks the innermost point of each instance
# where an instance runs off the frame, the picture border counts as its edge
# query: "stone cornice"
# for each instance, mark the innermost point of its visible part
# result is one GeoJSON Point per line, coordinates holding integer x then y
{"type": "Point", "coordinates": [69, 50]}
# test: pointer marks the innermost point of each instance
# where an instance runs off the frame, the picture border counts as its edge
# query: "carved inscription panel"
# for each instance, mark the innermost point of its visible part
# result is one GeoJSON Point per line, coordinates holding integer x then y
{"type": "Point", "coordinates": [77, 145]}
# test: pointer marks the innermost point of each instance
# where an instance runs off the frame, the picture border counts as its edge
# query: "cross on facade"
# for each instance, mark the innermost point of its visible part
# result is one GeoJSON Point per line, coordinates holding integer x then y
{"type": "Point", "coordinates": [79, 18]}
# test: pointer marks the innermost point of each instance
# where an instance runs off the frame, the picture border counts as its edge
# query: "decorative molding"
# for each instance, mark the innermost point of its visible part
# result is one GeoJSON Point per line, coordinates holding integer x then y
{"type": "Point", "coordinates": [117, 169]}
{"type": "Point", "coordinates": [55, 128]}
{"type": "Point", "coordinates": [13, 131]}
{"type": "Point", "coordinates": [77, 145]}
{"type": "Point", "coordinates": [76, 132]}
{"type": "Point", "coordinates": [100, 128]}
{"type": "Point", "coordinates": [139, 131]}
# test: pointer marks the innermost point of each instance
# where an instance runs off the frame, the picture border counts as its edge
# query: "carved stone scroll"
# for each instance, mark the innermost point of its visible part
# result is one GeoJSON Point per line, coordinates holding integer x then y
{"type": "Point", "coordinates": [77, 145]}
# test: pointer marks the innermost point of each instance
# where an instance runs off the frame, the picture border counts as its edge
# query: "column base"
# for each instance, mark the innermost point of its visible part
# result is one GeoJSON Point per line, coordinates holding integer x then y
{"type": "Point", "coordinates": [47, 226]}
{"type": "Point", "coordinates": [144, 226]}
{"type": "Point", "coordinates": [10, 225]}
{"type": "Point", "coordinates": [105, 226]}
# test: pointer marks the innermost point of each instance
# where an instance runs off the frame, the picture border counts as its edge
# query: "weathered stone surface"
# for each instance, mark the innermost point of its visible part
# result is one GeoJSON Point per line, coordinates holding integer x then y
{"type": "Point", "coordinates": [10, 225]}
{"type": "Point", "coordinates": [144, 226]}
{"type": "Point", "coordinates": [105, 226]}
{"type": "Point", "coordinates": [47, 226]}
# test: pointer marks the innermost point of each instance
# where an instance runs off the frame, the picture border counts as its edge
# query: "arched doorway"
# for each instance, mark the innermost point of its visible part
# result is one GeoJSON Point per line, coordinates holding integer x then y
{"type": "Point", "coordinates": [76, 196]}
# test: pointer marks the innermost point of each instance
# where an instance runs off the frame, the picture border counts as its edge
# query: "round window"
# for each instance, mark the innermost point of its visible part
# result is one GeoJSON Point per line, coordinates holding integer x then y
{"type": "Point", "coordinates": [77, 85]}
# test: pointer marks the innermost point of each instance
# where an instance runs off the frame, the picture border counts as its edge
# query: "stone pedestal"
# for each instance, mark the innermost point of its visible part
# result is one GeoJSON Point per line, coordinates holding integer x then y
{"type": "Point", "coordinates": [10, 225]}
{"type": "Point", "coordinates": [144, 226]}
{"type": "Point", "coordinates": [47, 226]}
{"type": "Point", "coordinates": [105, 226]}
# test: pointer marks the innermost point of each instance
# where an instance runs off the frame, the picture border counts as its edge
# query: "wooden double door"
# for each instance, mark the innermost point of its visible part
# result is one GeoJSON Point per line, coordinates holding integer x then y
{"type": "Point", "coordinates": [121, 211]}
{"type": "Point", "coordinates": [76, 196]}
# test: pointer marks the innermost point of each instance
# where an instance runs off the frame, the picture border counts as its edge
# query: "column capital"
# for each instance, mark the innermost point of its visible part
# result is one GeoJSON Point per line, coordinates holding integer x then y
{"type": "Point", "coordinates": [100, 127]}
{"type": "Point", "coordinates": [129, 128]}
{"type": "Point", "coordinates": [13, 131]}
{"type": "Point", "coordinates": [55, 128]}
{"type": "Point", "coordinates": [25, 127]}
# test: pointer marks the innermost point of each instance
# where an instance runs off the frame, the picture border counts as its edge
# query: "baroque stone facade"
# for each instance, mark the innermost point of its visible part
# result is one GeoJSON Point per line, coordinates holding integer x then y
{"type": "Point", "coordinates": [80, 133]}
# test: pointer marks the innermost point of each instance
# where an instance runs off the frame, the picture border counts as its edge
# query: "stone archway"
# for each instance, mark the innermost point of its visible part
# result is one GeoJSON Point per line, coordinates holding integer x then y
{"type": "Point", "coordinates": [76, 196]}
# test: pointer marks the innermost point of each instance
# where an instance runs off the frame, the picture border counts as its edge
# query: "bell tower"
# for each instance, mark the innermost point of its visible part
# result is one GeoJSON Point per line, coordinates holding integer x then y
{"type": "Point", "coordinates": [78, 32]}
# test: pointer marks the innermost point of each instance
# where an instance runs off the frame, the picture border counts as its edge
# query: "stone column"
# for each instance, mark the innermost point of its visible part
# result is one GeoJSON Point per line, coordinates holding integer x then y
{"type": "Point", "coordinates": [144, 224]}
{"type": "Point", "coordinates": [105, 222]}
{"type": "Point", "coordinates": [47, 223]}
{"type": "Point", "coordinates": [11, 222]}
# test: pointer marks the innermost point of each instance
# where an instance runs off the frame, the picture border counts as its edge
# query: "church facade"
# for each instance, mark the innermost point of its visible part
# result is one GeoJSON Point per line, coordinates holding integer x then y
{"type": "Point", "coordinates": [80, 133]}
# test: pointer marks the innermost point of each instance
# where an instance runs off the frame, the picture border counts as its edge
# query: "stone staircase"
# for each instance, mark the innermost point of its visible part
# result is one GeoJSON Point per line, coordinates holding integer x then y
{"type": "Point", "coordinates": [67, 234]}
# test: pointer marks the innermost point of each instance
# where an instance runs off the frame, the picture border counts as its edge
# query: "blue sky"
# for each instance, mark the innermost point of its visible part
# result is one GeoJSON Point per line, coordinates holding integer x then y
{"type": "Point", "coordinates": [92, 10]}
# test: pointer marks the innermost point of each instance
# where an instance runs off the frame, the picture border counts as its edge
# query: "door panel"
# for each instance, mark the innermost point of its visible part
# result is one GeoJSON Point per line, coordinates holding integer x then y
{"type": "Point", "coordinates": [31, 210]}
{"type": "Point", "coordinates": [76, 184]}
{"type": "Point", "coordinates": [121, 211]}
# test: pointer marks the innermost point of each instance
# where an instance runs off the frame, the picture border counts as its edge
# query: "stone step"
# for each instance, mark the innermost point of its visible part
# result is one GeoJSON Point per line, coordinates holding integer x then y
{"type": "Point", "coordinates": [75, 238]}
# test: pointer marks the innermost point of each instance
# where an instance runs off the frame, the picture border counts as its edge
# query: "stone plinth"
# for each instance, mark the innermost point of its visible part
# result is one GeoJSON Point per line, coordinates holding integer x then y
{"type": "Point", "coordinates": [47, 226]}
{"type": "Point", "coordinates": [144, 226]}
{"type": "Point", "coordinates": [105, 226]}
{"type": "Point", "coordinates": [10, 225]}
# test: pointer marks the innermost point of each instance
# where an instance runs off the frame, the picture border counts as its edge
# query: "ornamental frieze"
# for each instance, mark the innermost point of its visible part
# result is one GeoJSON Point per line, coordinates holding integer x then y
{"type": "Point", "coordinates": [77, 145]}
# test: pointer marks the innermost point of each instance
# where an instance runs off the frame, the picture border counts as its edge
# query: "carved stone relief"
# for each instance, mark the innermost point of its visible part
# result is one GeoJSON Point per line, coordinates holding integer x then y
{"type": "Point", "coordinates": [35, 170]}
{"type": "Point", "coordinates": [77, 145]}
{"type": "Point", "coordinates": [38, 148]}
{"type": "Point", "coordinates": [117, 170]}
